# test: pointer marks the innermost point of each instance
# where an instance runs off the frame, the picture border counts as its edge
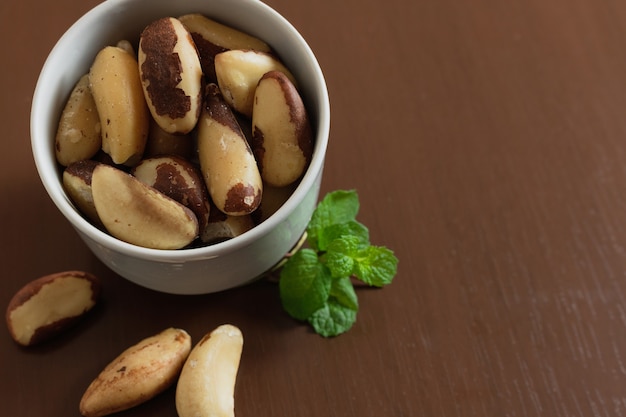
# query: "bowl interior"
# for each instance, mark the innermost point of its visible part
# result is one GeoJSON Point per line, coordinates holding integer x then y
{"type": "Point", "coordinates": [114, 20]}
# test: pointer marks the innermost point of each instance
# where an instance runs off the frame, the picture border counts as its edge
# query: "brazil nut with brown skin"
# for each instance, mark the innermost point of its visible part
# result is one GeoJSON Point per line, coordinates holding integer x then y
{"type": "Point", "coordinates": [282, 136]}
{"type": "Point", "coordinates": [45, 307]}
{"type": "Point", "coordinates": [77, 184]}
{"type": "Point", "coordinates": [226, 160]}
{"type": "Point", "coordinates": [212, 37]}
{"type": "Point", "coordinates": [178, 179]}
{"type": "Point", "coordinates": [210, 127]}
{"type": "Point", "coordinates": [171, 75]}
{"type": "Point", "coordinates": [79, 131]}
{"type": "Point", "coordinates": [238, 72]}
{"type": "Point", "coordinates": [139, 214]}
{"type": "Point", "coordinates": [221, 227]}
{"type": "Point", "coordinates": [138, 374]}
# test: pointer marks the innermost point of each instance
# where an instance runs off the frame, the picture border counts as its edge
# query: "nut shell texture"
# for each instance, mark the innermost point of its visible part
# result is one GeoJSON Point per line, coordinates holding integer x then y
{"type": "Point", "coordinates": [171, 75]}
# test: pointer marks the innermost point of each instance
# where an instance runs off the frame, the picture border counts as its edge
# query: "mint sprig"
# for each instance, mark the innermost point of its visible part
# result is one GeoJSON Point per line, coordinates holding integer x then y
{"type": "Point", "coordinates": [316, 282]}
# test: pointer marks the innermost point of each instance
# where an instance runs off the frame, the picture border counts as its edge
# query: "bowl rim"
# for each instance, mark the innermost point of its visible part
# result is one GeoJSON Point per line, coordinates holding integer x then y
{"type": "Point", "coordinates": [46, 164]}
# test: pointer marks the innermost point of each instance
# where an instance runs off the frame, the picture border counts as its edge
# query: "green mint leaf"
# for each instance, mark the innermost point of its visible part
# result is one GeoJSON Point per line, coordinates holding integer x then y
{"type": "Point", "coordinates": [337, 207]}
{"type": "Point", "coordinates": [333, 319]}
{"type": "Point", "coordinates": [304, 284]}
{"type": "Point", "coordinates": [316, 283]}
{"type": "Point", "coordinates": [341, 256]}
{"type": "Point", "coordinates": [376, 266]}
{"type": "Point", "coordinates": [343, 292]}
{"type": "Point", "coordinates": [335, 231]}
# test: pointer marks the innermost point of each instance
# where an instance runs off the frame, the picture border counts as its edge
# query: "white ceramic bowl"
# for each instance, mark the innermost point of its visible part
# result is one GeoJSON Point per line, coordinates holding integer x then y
{"type": "Point", "coordinates": [198, 270]}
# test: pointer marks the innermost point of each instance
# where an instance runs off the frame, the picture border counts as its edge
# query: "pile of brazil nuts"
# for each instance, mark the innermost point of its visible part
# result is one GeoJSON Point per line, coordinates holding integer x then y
{"type": "Point", "coordinates": [193, 139]}
{"type": "Point", "coordinates": [204, 374]}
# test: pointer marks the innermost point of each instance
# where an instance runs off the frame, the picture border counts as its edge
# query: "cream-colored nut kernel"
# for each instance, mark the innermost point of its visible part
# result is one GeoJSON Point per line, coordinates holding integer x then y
{"type": "Point", "coordinates": [79, 132]}
{"type": "Point", "coordinates": [238, 72]}
{"type": "Point", "coordinates": [116, 88]}
{"type": "Point", "coordinates": [48, 305]}
{"type": "Point", "coordinates": [137, 213]}
{"type": "Point", "coordinates": [77, 184]}
{"type": "Point", "coordinates": [282, 136]}
{"type": "Point", "coordinates": [212, 37]}
{"type": "Point", "coordinates": [221, 227]}
{"type": "Point", "coordinates": [171, 75]}
{"type": "Point", "coordinates": [137, 374]}
{"type": "Point", "coordinates": [178, 179]}
{"type": "Point", "coordinates": [226, 160]}
{"type": "Point", "coordinates": [127, 46]}
{"type": "Point", "coordinates": [206, 386]}
{"type": "Point", "coordinates": [161, 142]}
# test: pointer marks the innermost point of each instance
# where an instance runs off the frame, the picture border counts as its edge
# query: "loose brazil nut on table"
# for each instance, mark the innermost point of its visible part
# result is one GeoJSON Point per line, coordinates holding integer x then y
{"type": "Point", "coordinates": [206, 385]}
{"type": "Point", "coordinates": [138, 374]}
{"type": "Point", "coordinates": [50, 304]}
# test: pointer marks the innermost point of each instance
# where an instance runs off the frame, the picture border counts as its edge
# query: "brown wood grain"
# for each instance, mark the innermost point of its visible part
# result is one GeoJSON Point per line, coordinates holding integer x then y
{"type": "Point", "coordinates": [487, 141]}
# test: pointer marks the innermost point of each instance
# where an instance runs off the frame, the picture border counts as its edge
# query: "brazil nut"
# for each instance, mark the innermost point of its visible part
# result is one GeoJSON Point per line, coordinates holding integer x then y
{"type": "Point", "coordinates": [48, 305]}
{"type": "Point", "coordinates": [238, 121]}
{"type": "Point", "coordinates": [238, 72]}
{"type": "Point", "coordinates": [116, 88]}
{"type": "Point", "coordinates": [212, 37]}
{"type": "Point", "coordinates": [77, 184]}
{"type": "Point", "coordinates": [178, 179]}
{"type": "Point", "coordinates": [139, 214]}
{"type": "Point", "coordinates": [79, 132]}
{"type": "Point", "coordinates": [171, 75]}
{"type": "Point", "coordinates": [282, 137]}
{"type": "Point", "coordinates": [226, 160]}
{"type": "Point", "coordinates": [222, 227]}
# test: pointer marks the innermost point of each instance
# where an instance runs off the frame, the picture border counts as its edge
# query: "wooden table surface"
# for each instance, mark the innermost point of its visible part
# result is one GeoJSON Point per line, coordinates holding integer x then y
{"type": "Point", "coordinates": [487, 142]}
